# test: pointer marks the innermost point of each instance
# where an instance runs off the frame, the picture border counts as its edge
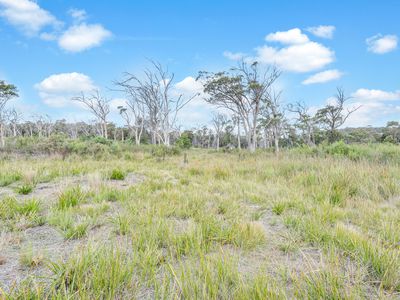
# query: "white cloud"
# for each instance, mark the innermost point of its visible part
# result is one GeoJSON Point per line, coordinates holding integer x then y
{"type": "Point", "coordinates": [306, 57]}
{"type": "Point", "coordinates": [292, 36]}
{"type": "Point", "coordinates": [189, 84]}
{"type": "Point", "coordinates": [82, 37]}
{"type": "Point", "coordinates": [47, 36]}
{"type": "Point", "coordinates": [116, 102]}
{"type": "Point", "coordinates": [79, 15]}
{"type": "Point", "coordinates": [372, 113]}
{"type": "Point", "coordinates": [322, 31]}
{"type": "Point", "coordinates": [376, 95]}
{"type": "Point", "coordinates": [27, 15]}
{"type": "Point", "coordinates": [58, 89]}
{"type": "Point", "coordinates": [382, 44]}
{"type": "Point", "coordinates": [197, 111]}
{"type": "Point", "coordinates": [234, 56]}
{"type": "Point", "coordinates": [324, 76]}
{"type": "Point", "coordinates": [298, 54]}
{"type": "Point", "coordinates": [376, 107]}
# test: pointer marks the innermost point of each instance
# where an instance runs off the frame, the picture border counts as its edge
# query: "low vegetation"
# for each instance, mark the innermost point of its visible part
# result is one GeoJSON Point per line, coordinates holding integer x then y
{"type": "Point", "coordinates": [312, 223]}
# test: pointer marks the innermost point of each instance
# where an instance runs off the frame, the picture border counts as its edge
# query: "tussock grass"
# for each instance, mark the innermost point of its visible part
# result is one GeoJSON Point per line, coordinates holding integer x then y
{"type": "Point", "coordinates": [70, 197]}
{"type": "Point", "coordinates": [223, 226]}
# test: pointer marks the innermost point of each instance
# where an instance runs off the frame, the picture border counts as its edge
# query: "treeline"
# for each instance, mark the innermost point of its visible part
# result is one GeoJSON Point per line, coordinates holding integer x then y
{"type": "Point", "coordinates": [254, 114]}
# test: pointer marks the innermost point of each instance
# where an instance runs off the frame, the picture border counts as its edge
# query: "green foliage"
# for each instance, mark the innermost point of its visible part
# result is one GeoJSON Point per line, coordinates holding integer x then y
{"type": "Point", "coordinates": [25, 189]}
{"type": "Point", "coordinates": [8, 178]}
{"type": "Point", "coordinates": [161, 151]}
{"type": "Point", "coordinates": [117, 174]}
{"type": "Point", "coordinates": [70, 197]}
{"type": "Point", "coordinates": [184, 141]}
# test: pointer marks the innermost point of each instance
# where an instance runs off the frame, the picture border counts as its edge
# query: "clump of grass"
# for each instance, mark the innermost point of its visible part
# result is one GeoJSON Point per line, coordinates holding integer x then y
{"type": "Point", "coordinates": [95, 273]}
{"type": "Point", "coordinates": [8, 208]}
{"type": "Point", "coordinates": [278, 208]}
{"type": "Point", "coordinates": [109, 195]}
{"type": "Point", "coordinates": [117, 174]}
{"type": "Point", "coordinates": [29, 207]}
{"type": "Point", "coordinates": [25, 189]}
{"type": "Point", "coordinates": [248, 235]}
{"type": "Point", "coordinates": [122, 224]}
{"type": "Point", "coordinates": [77, 230]}
{"type": "Point", "coordinates": [30, 258]}
{"type": "Point", "coordinates": [220, 173]}
{"type": "Point", "coordinates": [8, 178]}
{"type": "Point", "coordinates": [70, 197]}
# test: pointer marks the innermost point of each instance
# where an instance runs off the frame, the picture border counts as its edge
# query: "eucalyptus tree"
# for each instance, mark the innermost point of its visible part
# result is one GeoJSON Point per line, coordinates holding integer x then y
{"type": "Point", "coordinates": [334, 114]}
{"type": "Point", "coordinates": [242, 90]}
{"type": "Point", "coordinates": [273, 117]}
{"type": "Point", "coordinates": [7, 92]}
{"type": "Point", "coordinates": [153, 97]}
{"type": "Point", "coordinates": [218, 121]}
{"type": "Point", "coordinates": [305, 121]}
{"type": "Point", "coordinates": [133, 112]}
{"type": "Point", "coordinates": [99, 106]}
{"type": "Point", "coordinates": [236, 122]}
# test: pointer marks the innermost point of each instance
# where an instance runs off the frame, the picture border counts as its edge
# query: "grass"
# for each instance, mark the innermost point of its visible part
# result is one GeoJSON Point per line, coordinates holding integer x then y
{"type": "Point", "coordinates": [223, 226]}
{"type": "Point", "coordinates": [70, 197]}
{"type": "Point", "coordinates": [117, 174]}
{"type": "Point", "coordinates": [25, 189]}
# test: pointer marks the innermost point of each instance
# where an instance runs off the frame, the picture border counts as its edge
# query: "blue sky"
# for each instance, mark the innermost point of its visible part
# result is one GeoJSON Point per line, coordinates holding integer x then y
{"type": "Point", "coordinates": [52, 49]}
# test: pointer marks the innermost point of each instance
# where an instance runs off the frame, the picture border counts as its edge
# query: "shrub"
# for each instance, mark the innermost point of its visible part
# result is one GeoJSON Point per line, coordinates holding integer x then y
{"type": "Point", "coordinates": [184, 141]}
{"type": "Point", "coordinates": [117, 174]}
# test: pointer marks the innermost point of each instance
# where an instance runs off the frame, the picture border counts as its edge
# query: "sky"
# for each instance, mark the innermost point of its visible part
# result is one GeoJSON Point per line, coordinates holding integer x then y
{"type": "Point", "coordinates": [54, 49]}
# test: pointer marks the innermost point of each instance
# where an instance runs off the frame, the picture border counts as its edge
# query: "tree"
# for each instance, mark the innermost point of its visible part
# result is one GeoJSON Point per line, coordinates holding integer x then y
{"type": "Point", "coordinates": [98, 106]}
{"type": "Point", "coordinates": [155, 95]}
{"type": "Point", "coordinates": [304, 121]}
{"type": "Point", "coordinates": [236, 122]}
{"type": "Point", "coordinates": [334, 115]}
{"type": "Point", "coordinates": [242, 90]}
{"type": "Point", "coordinates": [7, 92]}
{"type": "Point", "coordinates": [134, 111]}
{"type": "Point", "coordinates": [14, 116]}
{"type": "Point", "coordinates": [273, 117]}
{"type": "Point", "coordinates": [219, 122]}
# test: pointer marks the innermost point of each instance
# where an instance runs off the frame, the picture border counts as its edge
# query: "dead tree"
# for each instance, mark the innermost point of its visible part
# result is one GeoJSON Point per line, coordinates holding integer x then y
{"type": "Point", "coordinates": [334, 115]}
{"type": "Point", "coordinates": [304, 121]}
{"type": "Point", "coordinates": [99, 106]}
{"type": "Point", "coordinates": [273, 117]}
{"type": "Point", "coordinates": [14, 117]}
{"type": "Point", "coordinates": [155, 94]}
{"type": "Point", "coordinates": [219, 121]}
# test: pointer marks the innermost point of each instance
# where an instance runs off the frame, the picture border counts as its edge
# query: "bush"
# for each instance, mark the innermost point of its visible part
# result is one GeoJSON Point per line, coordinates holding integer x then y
{"type": "Point", "coordinates": [117, 174]}
{"type": "Point", "coordinates": [184, 141]}
{"type": "Point", "coordinates": [163, 151]}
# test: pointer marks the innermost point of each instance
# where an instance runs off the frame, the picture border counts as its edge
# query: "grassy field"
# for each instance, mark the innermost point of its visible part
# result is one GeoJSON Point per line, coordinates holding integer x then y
{"type": "Point", "coordinates": [221, 226]}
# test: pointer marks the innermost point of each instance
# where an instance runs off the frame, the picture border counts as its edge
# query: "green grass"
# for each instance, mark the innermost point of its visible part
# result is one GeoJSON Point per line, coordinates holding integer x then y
{"type": "Point", "coordinates": [117, 174]}
{"type": "Point", "coordinates": [25, 189]}
{"type": "Point", "coordinates": [70, 197]}
{"type": "Point", "coordinates": [322, 225]}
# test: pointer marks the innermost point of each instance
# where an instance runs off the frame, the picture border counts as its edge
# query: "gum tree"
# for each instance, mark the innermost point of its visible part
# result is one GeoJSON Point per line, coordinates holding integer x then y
{"type": "Point", "coordinates": [242, 90]}
{"type": "Point", "coordinates": [7, 92]}
{"type": "Point", "coordinates": [334, 115]}
{"type": "Point", "coordinates": [99, 106]}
